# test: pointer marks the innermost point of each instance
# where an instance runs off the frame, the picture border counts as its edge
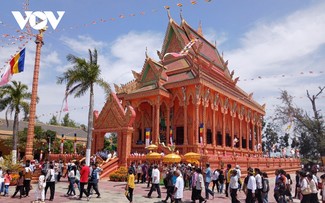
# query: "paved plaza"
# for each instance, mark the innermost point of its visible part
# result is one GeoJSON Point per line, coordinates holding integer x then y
{"type": "Point", "coordinates": [114, 192]}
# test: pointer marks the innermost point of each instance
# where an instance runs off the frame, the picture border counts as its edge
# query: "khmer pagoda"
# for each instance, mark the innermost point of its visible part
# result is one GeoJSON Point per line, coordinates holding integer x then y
{"type": "Point", "coordinates": [187, 98]}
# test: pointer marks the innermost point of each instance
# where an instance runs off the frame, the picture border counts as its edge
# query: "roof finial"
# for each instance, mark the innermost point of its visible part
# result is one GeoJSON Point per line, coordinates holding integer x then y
{"type": "Point", "coordinates": [147, 52]}
{"type": "Point", "coordinates": [199, 30]}
{"type": "Point", "coordinates": [168, 12]}
{"type": "Point", "coordinates": [181, 14]}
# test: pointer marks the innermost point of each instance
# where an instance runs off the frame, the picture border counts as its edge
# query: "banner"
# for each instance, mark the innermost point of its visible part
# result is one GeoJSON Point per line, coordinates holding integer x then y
{"type": "Point", "coordinates": [147, 136]}
{"type": "Point", "coordinates": [75, 143]}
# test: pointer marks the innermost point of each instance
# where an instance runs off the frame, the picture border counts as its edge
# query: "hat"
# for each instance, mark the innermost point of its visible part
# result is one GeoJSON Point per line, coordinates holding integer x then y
{"type": "Point", "coordinates": [237, 166]}
{"type": "Point", "coordinates": [250, 171]}
{"type": "Point", "coordinates": [189, 165]}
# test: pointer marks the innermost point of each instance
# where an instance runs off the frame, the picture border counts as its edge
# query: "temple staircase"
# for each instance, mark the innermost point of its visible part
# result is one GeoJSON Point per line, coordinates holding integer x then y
{"type": "Point", "coordinates": [109, 167]}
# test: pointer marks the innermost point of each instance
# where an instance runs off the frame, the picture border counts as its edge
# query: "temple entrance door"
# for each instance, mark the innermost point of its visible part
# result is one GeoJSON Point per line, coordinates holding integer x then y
{"type": "Point", "coordinates": [180, 135]}
{"type": "Point", "coordinates": [109, 146]}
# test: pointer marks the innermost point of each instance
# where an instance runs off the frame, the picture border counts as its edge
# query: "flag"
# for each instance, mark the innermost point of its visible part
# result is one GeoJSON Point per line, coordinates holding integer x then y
{"type": "Point", "coordinates": [5, 77]}
{"type": "Point", "coordinates": [17, 63]}
{"type": "Point", "coordinates": [184, 51]}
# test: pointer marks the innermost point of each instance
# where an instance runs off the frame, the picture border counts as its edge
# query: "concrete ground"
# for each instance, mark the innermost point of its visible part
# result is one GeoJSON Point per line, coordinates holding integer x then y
{"type": "Point", "coordinates": [113, 192]}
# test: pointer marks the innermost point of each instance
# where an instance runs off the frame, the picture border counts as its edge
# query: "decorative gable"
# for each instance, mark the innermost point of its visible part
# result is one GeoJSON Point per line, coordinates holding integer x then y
{"type": "Point", "coordinates": [113, 115]}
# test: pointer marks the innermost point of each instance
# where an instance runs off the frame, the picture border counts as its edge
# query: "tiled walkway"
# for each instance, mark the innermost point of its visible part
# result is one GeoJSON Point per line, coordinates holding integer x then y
{"type": "Point", "coordinates": [113, 192]}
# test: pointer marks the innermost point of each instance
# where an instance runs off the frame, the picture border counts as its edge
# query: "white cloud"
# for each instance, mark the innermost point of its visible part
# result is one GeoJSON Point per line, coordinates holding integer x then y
{"type": "Point", "coordinates": [81, 44]}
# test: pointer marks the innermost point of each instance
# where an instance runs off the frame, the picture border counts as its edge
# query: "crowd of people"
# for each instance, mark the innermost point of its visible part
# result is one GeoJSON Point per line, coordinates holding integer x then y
{"type": "Point", "coordinates": [79, 176]}
{"type": "Point", "coordinates": [203, 182]}
{"type": "Point", "coordinates": [255, 185]}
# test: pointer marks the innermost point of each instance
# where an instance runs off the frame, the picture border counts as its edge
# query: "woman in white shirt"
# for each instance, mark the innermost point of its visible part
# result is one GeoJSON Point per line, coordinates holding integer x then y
{"type": "Point", "coordinates": [305, 188]}
{"type": "Point", "coordinates": [313, 187]}
{"type": "Point", "coordinates": [233, 185]}
{"type": "Point", "coordinates": [199, 186]}
{"type": "Point", "coordinates": [50, 182]}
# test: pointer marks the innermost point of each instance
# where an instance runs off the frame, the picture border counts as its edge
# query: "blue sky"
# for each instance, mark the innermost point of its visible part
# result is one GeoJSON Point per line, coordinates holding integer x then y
{"type": "Point", "coordinates": [267, 39]}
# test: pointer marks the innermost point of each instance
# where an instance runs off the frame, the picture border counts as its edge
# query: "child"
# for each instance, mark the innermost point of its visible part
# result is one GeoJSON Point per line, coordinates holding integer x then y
{"type": "Point", "coordinates": [7, 180]}
{"type": "Point", "coordinates": [20, 186]}
{"type": "Point", "coordinates": [40, 190]}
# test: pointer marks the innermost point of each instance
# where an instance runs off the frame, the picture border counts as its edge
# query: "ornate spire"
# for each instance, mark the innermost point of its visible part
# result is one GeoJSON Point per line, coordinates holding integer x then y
{"type": "Point", "coordinates": [146, 52]}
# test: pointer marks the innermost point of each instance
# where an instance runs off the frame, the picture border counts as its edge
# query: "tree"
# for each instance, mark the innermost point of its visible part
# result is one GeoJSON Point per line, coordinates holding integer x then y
{"type": "Point", "coordinates": [53, 121]}
{"type": "Point", "coordinates": [13, 98]}
{"type": "Point", "coordinates": [270, 137]}
{"type": "Point", "coordinates": [66, 121]}
{"type": "Point", "coordinates": [284, 141]}
{"type": "Point", "coordinates": [311, 129]}
{"type": "Point", "coordinates": [80, 78]}
{"type": "Point", "coordinates": [110, 144]}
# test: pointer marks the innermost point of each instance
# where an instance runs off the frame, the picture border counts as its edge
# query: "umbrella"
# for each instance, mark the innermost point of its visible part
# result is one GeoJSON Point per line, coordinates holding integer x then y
{"type": "Point", "coordinates": [152, 147]}
{"type": "Point", "coordinates": [192, 157]}
{"type": "Point", "coordinates": [153, 156]}
{"type": "Point", "coordinates": [172, 158]}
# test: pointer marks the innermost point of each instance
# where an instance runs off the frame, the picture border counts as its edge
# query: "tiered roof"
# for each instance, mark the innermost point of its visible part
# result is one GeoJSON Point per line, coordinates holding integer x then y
{"type": "Point", "coordinates": [202, 64]}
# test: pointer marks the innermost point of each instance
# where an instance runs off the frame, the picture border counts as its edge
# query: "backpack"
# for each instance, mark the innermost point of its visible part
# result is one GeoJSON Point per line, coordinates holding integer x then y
{"type": "Point", "coordinates": [265, 185]}
{"type": "Point", "coordinates": [27, 173]}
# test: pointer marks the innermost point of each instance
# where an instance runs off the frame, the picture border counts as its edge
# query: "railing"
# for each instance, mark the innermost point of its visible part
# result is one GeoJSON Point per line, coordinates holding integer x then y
{"type": "Point", "coordinates": [64, 157]}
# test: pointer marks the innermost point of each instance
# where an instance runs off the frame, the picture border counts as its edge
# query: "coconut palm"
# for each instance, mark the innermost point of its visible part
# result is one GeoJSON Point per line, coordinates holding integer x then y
{"type": "Point", "coordinates": [80, 78]}
{"type": "Point", "coordinates": [13, 98]}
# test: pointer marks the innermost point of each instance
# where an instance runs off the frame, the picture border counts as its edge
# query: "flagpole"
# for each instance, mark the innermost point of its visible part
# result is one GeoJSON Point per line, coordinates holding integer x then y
{"type": "Point", "coordinates": [32, 109]}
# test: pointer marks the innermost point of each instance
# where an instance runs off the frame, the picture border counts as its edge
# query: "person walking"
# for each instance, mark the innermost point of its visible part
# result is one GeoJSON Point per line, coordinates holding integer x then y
{"type": "Point", "coordinates": [40, 189]}
{"type": "Point", "coordinates": [170, 186]}
{"type": "Point", "coordinates": [7, 179]}
{"type": "Point", "coordinates": [207, 182]}
{"type": "Point", "coordinates": [233, 185]}
{"type": "Point", "coordinates": [50, 181]}
{"type": "Point", "coordinates": [130, 186]}
{"type": "Point", "coordinates": [94, 178]}
{"type": "Point", "coordinates": [84, 174]}
{"type": "Point", "coordinates": [27, 173]}
{"type": "Point", "coordinates": [265, 187]}
{"type": "Point", "coordinates": [72, 179]}
{"type": "Point", "coordinates": [20, 186]}
{"type": "Point", "coordinates": [259, 185]}
{"type": "Point", "coordinates": [251, 187]}
{"type": "Point", "coordinates": [221, 181]}
{"type": "Point", "coordinates": [199, 186]}
{"type": "Point", "coordinates": [215, 181]}
{"type": "Point", "coordinates": [139, 172]}
{"type": "Point", "coordinates": [179, 187]}
{"type": "Point", "coordinates": [227, 176]}
{"type": "Point", "coordinates": [155, 182]}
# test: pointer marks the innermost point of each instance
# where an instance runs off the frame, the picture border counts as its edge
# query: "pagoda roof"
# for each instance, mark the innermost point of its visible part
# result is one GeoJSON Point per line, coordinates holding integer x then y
{"type": "Point", "coordinates": [202, 65]}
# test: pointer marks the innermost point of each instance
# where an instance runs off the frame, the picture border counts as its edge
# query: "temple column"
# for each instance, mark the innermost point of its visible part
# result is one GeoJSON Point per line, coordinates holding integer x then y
{"type": "Point", "coordinates": [152, 125]}
{"type": "Point", "coordinates": [185, 116]}
{"type": "Point", "coordinates": [168, 125]}
{"type": "Point", "coordinates": [156, 134]}
{"type": "Point", "coordinates": [253, 137]}
{"type": "Point", "coordinates": [143, 136]}
{"type": "Point", "coordinates": [240, 131]}
{"type": "Point", "coordinates": [223, 111]}
{"type": "Point", "coordinates": [247, 134]}
{"type": "Point", "coordinates": [204, 125]}
{"type": "Point", "coordinates": [197, 119]}
{"type": "Point", "coordinates": [213, 127]}
{"type": "Point", "coordinates": [185, 125]}
{"type": "Point", "coordinates": [196, 126]}
{"type": "Point", "coordinates": [232, 129]}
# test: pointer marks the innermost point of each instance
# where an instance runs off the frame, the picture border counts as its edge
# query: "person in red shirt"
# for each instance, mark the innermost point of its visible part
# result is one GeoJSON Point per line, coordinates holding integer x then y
{"type": "Point", "coordinates": [84, 175]}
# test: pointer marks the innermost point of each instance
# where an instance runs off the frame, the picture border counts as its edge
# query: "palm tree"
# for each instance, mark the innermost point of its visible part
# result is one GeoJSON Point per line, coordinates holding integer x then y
{"type": "Point", "coordinates": [13, 98]}
{"type": "Point", "coordinates": [80, 78]}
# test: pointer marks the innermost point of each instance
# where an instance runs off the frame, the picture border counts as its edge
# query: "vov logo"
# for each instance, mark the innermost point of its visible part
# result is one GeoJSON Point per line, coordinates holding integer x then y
{"type": "Point", "coordinates": [38, 19]}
